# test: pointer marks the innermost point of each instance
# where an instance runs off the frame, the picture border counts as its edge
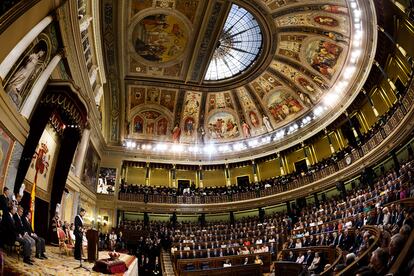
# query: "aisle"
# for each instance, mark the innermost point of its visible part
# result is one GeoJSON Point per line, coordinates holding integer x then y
{"type": "Point", "coordinates": [167, 264]}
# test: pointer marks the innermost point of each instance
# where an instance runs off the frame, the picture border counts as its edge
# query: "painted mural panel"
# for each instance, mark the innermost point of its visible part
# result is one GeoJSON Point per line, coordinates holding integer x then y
{"type": "Point", "coordinates": [264, 84]}
{"type": "Point", "coordinates": [328, 17]}
{"type": "Point", "coordinates": [219, 101]}
{"type": "Point", "coordinates": [91, 168]}
{"type": "Point", "coordinates": [290, 45]}
{"type": "Point", "coordinates": [168, 98]}
{"type": "Point", "coordinates": [312, 87]}
{"type": "Point", "coordinates": [106, 180]}
{"type": "Point", "coordinates": [149, 122]}
{"type": "Point", "coordinates": [160, 37]}
{"type": "Point", "coordinates": [42, 165]}
{"type": "Point", "coordinates": [221, 126]}
{"type": "Point", "coordinates": [189, 118]}
{"type": "Point", "coordinates": [6, 147]}
{"type": "Point", "coordinates": [151, 95]}
{"type": "Point", "coordinates": [283, 106]}
{"type": "Point", "coordinates": [323, 55]}
{"type": "Point", "coordinates": [137, 96]}
{"type": "Point", "coordinates": [253, 124]}
{"type": "Point", "coordinates": [273, 5]}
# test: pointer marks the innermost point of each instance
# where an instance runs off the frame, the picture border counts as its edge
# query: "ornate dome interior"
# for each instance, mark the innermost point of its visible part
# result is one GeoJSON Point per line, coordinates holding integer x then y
{"type": "Point", "coordinates": [223, 77]}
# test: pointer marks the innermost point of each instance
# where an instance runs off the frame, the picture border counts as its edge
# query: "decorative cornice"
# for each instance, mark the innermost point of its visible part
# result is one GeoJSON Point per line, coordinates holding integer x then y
{"type": "Point", "coordinates": [15, 12]}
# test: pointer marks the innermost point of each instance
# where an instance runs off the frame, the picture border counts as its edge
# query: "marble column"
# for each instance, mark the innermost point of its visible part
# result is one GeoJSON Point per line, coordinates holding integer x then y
{"type": "Point", "coordinates": [227, 174]}
{"type": "Point", "coordinates": [34, 96]}
{"type": "Point", "coordinates": [80, 154]}
{"type": "Point", "coordinates": [8, 63]}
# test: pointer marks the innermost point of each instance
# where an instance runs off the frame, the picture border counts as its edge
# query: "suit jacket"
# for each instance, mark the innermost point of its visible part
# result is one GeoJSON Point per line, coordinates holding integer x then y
{"type": "Point", "coordinates": [78, 226]}
{"type": "Point", "coordinates": [8, 226]}
{"type": "Point", "coordinates": [27, 226]}
{"type": "Point", "coordinates": [19, 224]}
{"type": "Point", "coordinates": [4, 202]}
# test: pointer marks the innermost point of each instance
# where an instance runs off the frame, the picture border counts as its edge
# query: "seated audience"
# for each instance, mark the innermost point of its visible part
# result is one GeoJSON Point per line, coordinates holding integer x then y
{"type": "Point", "coordinates": [40, 242]}
{"type": "Point", "coordinates": [10, 234]}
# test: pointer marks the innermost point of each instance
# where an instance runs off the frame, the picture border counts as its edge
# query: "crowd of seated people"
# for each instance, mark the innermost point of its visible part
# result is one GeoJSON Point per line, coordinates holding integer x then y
{"type": "Point", "coordinates": [16, 226]}
{"type": "Point", "coordinates": [320, 223]}
{"type": "Point", "coordinates": [359, 208]}
{"type": "Point", "coordinates": [112, 241]}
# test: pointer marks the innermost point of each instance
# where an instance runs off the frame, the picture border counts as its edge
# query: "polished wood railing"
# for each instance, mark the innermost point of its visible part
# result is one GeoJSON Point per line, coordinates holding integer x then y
{"type": "Point", "coordinates": [232, 251]}
{"type": "Point", "coordinates": [283, 268]}
{"type": "Point", "coordinates": [238, 270]}
{"type": "Point", "coordinates": [333, 255]}
{"type": "Point", "coordinates": [184, 265]}
{"type": "Point", "coordinates": [328, 252]}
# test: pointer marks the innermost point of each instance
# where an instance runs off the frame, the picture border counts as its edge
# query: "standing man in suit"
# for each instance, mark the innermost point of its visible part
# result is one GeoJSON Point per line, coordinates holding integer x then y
{"type": "Point", "coordinates": [79, 234]}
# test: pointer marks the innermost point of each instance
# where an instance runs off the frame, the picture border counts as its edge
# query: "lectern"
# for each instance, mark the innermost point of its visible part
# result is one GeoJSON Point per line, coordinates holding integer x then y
{"type": "Point", "coordinates": [92, 237]}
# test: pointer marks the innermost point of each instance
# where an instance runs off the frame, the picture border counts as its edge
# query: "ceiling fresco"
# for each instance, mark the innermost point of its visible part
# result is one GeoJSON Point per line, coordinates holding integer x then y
{"type": "Point", "coordinates": [168, 45]}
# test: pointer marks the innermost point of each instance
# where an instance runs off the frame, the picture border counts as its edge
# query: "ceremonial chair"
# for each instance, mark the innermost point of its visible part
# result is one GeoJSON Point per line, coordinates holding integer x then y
{"type": "Point", "coordinates": [62, 242]}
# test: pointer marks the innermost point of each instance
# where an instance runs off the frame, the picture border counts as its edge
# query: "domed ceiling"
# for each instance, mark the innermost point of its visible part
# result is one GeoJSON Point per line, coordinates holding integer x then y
{"type": "Point", "coordinates": [230, 73]}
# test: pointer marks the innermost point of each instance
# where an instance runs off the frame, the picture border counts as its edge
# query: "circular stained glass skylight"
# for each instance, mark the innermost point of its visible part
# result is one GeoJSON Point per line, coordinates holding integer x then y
{"type": "Point", "coordinates": [238, 47]}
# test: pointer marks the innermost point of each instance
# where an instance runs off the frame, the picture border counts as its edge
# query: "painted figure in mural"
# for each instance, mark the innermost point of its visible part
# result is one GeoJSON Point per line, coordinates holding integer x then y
{"type": "Point", "coordinates": [305, 99]}
{"type": "Point", "coordinates": [162, 127]}
{"type": "Point", "coordinates": [202, 134]}
{"type": "Point", "coordinates": [246, 130]}
{"type": "Point", "coordinates": [153, 95]}
{"type": "Point", "coordinates": [325, 57]}
{"type": "Point", "coordinates": [150, 128]}
{"type": "Point", "coordinates": [176, 133]}
{"type": "Point", "coordinates": [326, 21]}
{"type": "Point", "coordinates": [306, 84]}
{"type": "Point", "coordinates": [191, 105]}
{"type": "Point", "coordinates": [138, 125]}
{"type": "Point", "coordinates": [253, 118]}
{"type": "Point", "coordinates": [18, 81]}
{"type": "Point", "coordinates": [189, 126]}
{"type": "Point", "coordinates": [335, 9]}
{"type": "Point", "coordinates": [266, 122]}
{"type": "Point", "coordinates": [283, 107]}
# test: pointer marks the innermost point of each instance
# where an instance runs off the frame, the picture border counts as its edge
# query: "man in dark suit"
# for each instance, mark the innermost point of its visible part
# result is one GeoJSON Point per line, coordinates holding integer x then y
{"type": "Point", "coordinates": [10, 234]}
{"type": "Point", "coordinates": [40, 242]}
{"type": "Point", "coordinates": [19, 226]}
{"type": "Point", "coordinates": [79, 234]}
{"type": "Point", "coordinates": [4, 200]}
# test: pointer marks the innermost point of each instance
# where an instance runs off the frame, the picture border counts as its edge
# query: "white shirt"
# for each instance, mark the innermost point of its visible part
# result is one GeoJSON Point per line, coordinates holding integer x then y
{"type": "Point", "coordinates": [112, 237]}
{"type": "Point", "coordinates": [300, 259]}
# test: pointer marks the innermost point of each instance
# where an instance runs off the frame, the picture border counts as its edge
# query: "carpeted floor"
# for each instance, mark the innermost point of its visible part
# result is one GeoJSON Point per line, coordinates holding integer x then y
{"type": "Point", "coordinates": [56, 264]}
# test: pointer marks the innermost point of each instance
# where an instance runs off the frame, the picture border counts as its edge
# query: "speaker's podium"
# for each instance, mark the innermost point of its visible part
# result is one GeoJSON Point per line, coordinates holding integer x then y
{"type": "Point", "coordinates": [92, 237]}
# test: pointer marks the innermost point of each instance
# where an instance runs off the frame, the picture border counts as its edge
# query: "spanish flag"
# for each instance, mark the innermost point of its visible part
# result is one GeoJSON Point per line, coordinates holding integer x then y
{"type": "Point", "coordinates": [32, 201]}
